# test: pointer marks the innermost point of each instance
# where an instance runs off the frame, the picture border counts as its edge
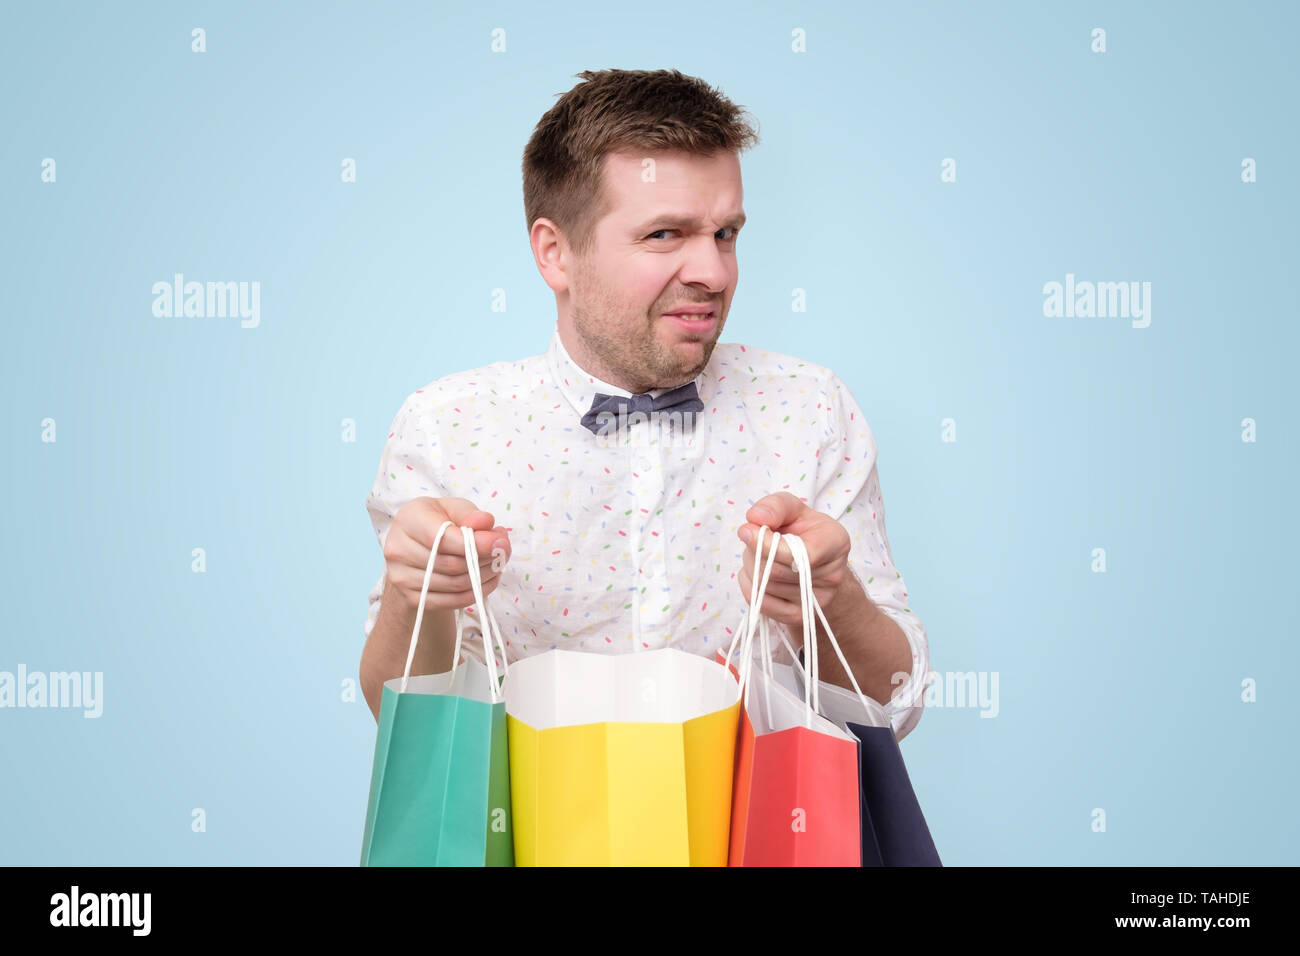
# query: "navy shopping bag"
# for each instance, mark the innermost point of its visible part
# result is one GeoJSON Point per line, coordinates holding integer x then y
{"type": "Point", "coordinates": [894, 831]}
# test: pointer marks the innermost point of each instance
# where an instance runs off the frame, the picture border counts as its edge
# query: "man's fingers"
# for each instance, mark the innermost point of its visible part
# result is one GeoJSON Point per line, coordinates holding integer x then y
{"type": "Point", "coordinates": [784, 558]}
{"type": "Point", "coordinates": [778, 610]}
{"type": "Point", "coordinates": [779, 575]}
{"type": "Point", "coordinates": [408, 559]}
{"type": "Point", "coordinates": [498, 537]}
{"type": "Point", "coordinates": [434, 512]}
{"type": "Point", "coordinates": [461, 599]}
{"type": "Point", "coordinates": [463, 512]}
{"type": "Point", "coordinates": [783, 570]}
{"type": "Point", "coordinates": [453, 540]}
{"type": "Point", "coordinates": [404, 550]}
{"type": "Point", "coordinates": [786, 600]}
{"type": "Point", "coordinates": [776, 510]}
{"type": "Point", "coordinates": [783, 580]}
{"type": "Point", "coordinates": [786, 592]}
{"type": "Point", "coordinates": [782, 611]}
{"type": "Point", "coordinates": [412, 579]}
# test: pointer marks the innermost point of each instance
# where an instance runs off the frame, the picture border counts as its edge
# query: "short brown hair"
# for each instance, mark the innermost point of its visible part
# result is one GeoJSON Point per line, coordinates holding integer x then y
{"type": "Point", "coordinates": [615, 110]}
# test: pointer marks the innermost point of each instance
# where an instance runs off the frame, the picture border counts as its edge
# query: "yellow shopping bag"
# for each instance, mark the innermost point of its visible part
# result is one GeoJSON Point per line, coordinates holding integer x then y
{"type": "Point", "coordinates": [621, 759]}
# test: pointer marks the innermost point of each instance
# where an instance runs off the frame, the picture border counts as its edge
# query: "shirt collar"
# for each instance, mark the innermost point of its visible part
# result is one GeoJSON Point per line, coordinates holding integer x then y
{"type": "Point", "coordinates": [580, 386]}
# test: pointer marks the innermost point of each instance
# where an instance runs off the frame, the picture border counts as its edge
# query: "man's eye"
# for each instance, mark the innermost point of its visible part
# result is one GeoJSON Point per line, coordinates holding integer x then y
{"type": "Point", "coordinates": [732, 229]}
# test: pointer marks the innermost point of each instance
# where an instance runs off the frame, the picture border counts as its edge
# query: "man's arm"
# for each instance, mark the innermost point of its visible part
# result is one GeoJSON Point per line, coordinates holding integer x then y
{"type": "Point", "coordinates": [407, 505]}
{"type": "Point", "coordinates": [389, 641]}
{"type": "Point", "coordinates": [873, 644]}
{"type": "Point", "coordinates": [867, 606]}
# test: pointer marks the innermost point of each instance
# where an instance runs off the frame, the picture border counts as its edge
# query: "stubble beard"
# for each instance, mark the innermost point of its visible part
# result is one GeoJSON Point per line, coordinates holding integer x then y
{"type": "Point", "coordinates": [628, 347]}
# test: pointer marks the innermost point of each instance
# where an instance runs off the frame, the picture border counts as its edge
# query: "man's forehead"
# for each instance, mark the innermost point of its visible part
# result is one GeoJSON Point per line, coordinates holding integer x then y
{"type": "Point", "coordinates": [628, 171]}
{"type": "Point", "coordinates": [639, 184]}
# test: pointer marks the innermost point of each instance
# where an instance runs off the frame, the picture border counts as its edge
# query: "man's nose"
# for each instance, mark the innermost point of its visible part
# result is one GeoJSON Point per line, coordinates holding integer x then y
{"type": "Point", "coordinates": [705, 265]}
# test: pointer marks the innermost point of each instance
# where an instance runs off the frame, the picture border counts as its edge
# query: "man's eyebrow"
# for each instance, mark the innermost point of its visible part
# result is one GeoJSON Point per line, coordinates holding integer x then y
{"type": "Point", "coordinates": [684, 222]}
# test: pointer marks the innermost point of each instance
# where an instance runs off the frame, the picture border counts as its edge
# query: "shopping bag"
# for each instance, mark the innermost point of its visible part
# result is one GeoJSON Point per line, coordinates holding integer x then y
{"type": "Point", "coordinates": [440, 784]}
{"type": "Point", "coordinates": [796, 798]}
{"type": "Point", "coordinates": [894, 831]}
{"type": "Point", "coordinates": [621, 759]}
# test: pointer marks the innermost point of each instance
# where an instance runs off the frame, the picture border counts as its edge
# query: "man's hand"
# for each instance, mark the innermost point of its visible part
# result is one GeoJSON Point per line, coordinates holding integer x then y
{"type": "Point", "coordinates": [825, 538]}
{"type": "Point", "coordinates": [410, 539]}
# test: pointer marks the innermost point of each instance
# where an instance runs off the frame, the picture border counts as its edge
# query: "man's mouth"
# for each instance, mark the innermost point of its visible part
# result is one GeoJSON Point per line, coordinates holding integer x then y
{"type": "Point", "coordinates": [693, 321]}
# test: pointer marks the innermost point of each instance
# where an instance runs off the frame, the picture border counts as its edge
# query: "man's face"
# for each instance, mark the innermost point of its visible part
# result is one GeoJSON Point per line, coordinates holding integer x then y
{"type": "Point", "coordinates": [664, 244]}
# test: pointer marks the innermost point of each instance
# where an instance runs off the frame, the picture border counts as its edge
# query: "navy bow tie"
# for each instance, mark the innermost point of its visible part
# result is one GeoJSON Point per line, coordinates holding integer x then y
{"type": "Point", "coordinates": [608, 411]}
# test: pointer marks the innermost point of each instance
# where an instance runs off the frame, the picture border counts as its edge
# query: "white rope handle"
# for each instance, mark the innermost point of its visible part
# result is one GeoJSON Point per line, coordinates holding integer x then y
{"type": "Point", "coordinates": [488, 624]}
{"type": "Point", "coordinates": [490, 630]}
{"type": "Point", "coordinates": [764, 640]}
{"type": "Point", "coordinates": [765, 645]}
{"type": "Point", "coordinates": [758, 622]}
{"type": "Point", "coordinates": [812, 678]}
{"type": "Point", "coordinates": [809, 604]}
{"type": "Point", "coordinates": [752, 616]}
{"type": "Point", "coordinates": [419, 611]}
{"type": "Point", "coordinates": [743, 627]}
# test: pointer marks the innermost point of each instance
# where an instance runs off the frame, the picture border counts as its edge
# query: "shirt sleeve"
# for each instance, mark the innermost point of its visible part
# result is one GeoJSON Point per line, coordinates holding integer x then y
{"type": "Point", "coordinates": [406, 471]}
{"type": "Point", "coordinates": [848, 489]}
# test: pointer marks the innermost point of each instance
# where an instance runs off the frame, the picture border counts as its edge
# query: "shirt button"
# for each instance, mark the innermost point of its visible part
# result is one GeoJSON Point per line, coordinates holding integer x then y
{"type": "Point", "coordinates": [644, 464]}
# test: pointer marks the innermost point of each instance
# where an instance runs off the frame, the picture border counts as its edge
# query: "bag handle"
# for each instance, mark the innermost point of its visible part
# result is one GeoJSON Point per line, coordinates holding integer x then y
{"type": "Point", "coordinates": [811, 679]}
{"type": "Point", "coordinates": [812, 701]}
{"type": "Point", "coordinates": [492, 638]}
{"type": "Point", "coordinates": [752, 619]}
{"type": "Point", "coordinates": [808, 603]}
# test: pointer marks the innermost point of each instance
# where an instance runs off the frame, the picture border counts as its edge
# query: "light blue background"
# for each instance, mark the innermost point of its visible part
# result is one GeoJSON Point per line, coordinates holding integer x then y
{"type": "Point", "coordinates": [222, 690]}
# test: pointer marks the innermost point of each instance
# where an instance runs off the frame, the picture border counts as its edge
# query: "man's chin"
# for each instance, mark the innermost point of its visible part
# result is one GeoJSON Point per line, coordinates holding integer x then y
{"type": "Point", "coordinates": [692, 371]}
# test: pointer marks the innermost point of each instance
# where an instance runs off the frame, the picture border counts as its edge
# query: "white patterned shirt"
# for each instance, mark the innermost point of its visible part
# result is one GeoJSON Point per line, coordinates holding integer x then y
{"type": "Point", "coordinates": [630, 544]}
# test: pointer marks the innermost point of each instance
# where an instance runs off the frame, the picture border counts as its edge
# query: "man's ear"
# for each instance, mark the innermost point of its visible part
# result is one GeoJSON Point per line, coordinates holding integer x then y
{"type": "Point", "coordinates": [551, 253]}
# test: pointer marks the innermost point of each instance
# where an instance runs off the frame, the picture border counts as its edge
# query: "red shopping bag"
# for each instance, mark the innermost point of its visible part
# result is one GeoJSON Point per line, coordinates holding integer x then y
{"type": "Point", "coordinates": [796, 794]}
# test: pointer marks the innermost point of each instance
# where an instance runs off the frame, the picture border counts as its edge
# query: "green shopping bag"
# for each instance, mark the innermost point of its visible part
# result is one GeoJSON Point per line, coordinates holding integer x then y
{"type": "Point", "coordinates": [440, 785]}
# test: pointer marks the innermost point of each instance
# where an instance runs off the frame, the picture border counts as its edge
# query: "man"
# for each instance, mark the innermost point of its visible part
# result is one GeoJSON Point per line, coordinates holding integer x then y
{"type": "Point", "coordinates": [614, 483]}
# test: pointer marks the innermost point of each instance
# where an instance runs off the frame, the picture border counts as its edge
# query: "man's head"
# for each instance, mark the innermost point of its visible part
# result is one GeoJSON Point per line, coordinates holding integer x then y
{"type": "Point", "coordinates": [633, 199]}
